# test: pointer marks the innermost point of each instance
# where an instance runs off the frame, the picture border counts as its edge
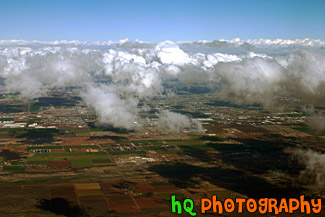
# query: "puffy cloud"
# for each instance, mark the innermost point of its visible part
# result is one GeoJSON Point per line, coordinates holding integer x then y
{"type": "Point", "coordinates": [37, 73]}
{"type": "Point", "coordinates": [313, 174]}
{"type": "Point", "coordinates": [213, 59]}
{"type": "Point", "coordinates": [169, 53]}
{"type": "Point", "coordinates": [110, 108]}
{"type": "Point", "coordinates": [253, 80]}
{"type": "Point", "coordinates": [119, 58]}
{"type": "Point", "coordinates": [306, 75]}
{"type": "Point", "coordinates": [133, 72]}
{"type": "Point", "coordinates": [258, 78]}
{"type": "Point", "coordinates": [28, 87]}
{"type": "Point", "coordinates": [174, 122]}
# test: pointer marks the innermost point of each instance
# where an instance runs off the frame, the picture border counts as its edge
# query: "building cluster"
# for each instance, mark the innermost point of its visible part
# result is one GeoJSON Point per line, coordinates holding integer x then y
{"type": "Point", "coordinates": [125, 147]}
{"type": "Point", "coordinates": [135, 160]}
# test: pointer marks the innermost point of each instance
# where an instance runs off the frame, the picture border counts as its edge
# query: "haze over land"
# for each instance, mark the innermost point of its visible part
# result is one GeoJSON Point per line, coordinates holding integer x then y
{"type": "Point", "coordinates": [241, 72]}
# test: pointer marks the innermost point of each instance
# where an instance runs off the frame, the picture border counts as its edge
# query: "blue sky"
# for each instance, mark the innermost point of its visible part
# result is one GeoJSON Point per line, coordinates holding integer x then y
{"type": "Point", "coordinates": [155, 20]}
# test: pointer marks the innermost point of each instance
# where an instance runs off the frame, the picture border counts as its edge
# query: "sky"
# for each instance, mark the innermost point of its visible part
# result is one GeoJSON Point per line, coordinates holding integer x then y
{"type": "Point", "coordinates": [156, 20]}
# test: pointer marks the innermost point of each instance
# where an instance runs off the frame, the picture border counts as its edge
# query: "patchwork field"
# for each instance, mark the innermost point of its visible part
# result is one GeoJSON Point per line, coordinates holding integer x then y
{"type": "Point", "coordinates": [82, 199]}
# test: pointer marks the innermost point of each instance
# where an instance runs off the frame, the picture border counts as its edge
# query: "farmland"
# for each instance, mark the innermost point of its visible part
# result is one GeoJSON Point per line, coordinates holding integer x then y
{"type": "Point", "coordinates": [63, 163]}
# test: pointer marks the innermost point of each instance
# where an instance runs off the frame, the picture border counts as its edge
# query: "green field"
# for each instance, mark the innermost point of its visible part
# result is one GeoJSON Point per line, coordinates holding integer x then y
{"type": "Point", "coordinates": [13, 169]}
{"type": "Point", "coordinates": [81, 163]}
{"type": "Point", "coordinates": [97, 161]}
{"type": "Point", "coordinates": [6, 119]}
{"type": "Point", "coordinates": [81, 132]}
{"type": "Point", "coordinates": [212, 138]}
{"type": "Point", "coordinates": [173, 140]}
{"type": "Point", "coordinates": [185, 142]}
{"type": "Point", "coordinates": [81, 159]}
{"type": "Point", "coordinates": [37, 162]}
{"type": "Point", "coordinates": [14, 163]}
{"type": "Point", "coordinates": [196, 147]}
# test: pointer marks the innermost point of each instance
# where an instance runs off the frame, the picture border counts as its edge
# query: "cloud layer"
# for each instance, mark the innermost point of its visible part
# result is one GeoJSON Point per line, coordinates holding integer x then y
{"type": "Point", "coordinates": [252, 71]}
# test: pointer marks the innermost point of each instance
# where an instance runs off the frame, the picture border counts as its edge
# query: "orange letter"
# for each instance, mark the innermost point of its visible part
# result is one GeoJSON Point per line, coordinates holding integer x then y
{"type": "Point", "coordinates": [272, 204]}
{"type": "Point", "coordinates": [263, 204]}
{"type": "Point", "coordinates": [283, 205]}
{"type": "Point", "coordinates": [304, 203]}
{"type": "Point", "coordinates": [318, 205]}
{"type": "Point", "coordinates": [291, 207]}
{"type": "Point", "coordinates": [229, 205]}
{"type": "Point", "coordinates": [240, 204]}
{"type": "Point", "coordinates": [251, 205]}
{"type": "Point", "coordinates": [215, 204]}
{"type": "Point", "coordinates": [203, 207]}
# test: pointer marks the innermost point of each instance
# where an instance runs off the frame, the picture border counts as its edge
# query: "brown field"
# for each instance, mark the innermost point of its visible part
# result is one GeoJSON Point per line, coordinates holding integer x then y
{"type": "Point", "coordinates": [59, 164]}
{"type": "Point", "coordinates": [215, 128]}
{"type": "Point", "coordinates": [164, 188]}
{"type": "Point", "coordinates": [149, 201]}
{"type": "Point", "coordinates": [71, 141]}
{"type": "Point", "coordinates": [108, 188]}
{"type": "Point", "coordinates": [99, 199]}
{"type": "Point", "coordinates": [37, 170]}
{"type": "Point", "coordinates": [143, 187]}
{"type": "Point", "coordinates": [57, 150]}
{"type": "Point", "coordinates": [121, 203]}
{"type": "Point", "coordinates": [95, 203]}
{"type": "Point", "coordinates": [62, 191]}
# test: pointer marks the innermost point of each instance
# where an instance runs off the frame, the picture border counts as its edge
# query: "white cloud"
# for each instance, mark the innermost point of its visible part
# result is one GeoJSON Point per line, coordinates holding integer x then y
{"type": "Point", "coordinates": [138, 69]}
{"type": "Point", "coordinates": [111, 109]}
{"type": "Point", "coordinates": [174, 122]}
{"type": "Point", "coordinates": [313, 175]}
{"type": "Point", "coordinates": [169, 53]}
